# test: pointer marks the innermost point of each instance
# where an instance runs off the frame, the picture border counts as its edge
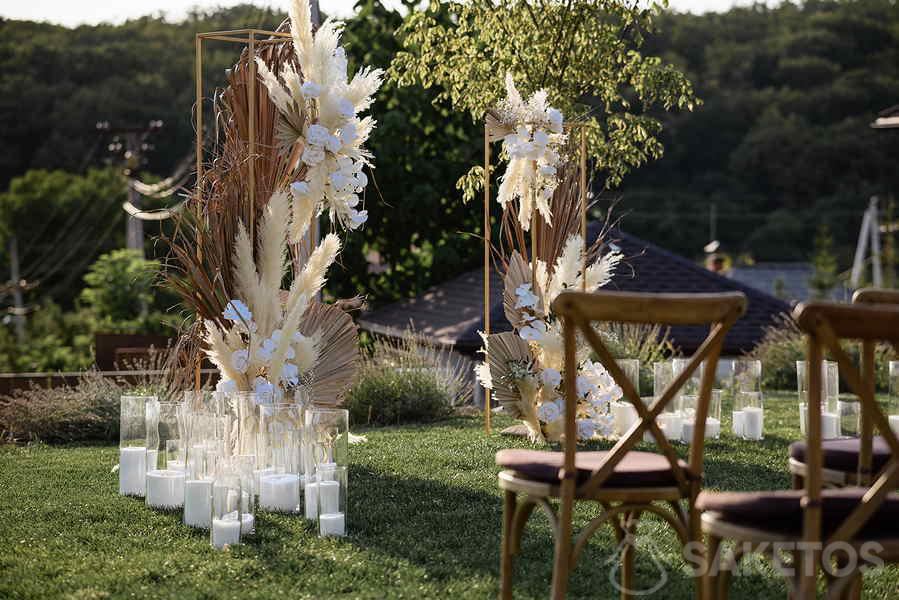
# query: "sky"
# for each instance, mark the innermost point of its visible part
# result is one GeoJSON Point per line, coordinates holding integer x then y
{"type": "Point", "coordinates": [78, 12]}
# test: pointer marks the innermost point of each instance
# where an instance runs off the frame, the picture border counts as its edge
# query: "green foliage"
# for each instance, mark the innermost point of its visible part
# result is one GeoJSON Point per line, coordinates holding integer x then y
{"type": "Point", "coordinates": [783, 344]}
{"type": "Point", "coordinates": [586, 55]}
{"type": "Point", "coordinates": [824, 263]}
{"type": "Point", "coordinates": [782, 144]}
{"type": "Point", "coordinates": [407, 381]}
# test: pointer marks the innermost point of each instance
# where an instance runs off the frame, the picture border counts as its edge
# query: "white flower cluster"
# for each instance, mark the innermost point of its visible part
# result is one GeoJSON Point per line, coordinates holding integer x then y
{"type": "Point", "coordinates": [334, 136]}
{"type": "Point", "coordinates": [533, 150]}
{"type": "Point", "coordinates": [256, 358]}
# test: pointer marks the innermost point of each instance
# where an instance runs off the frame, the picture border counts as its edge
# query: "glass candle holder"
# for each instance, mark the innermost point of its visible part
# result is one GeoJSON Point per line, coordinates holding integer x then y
{"type": "Point", "coordinates": [712, 420]}
{"type": "Point", "coordinates": [331, 492]}
{"type": "Point", "coordinates": [892, 403]}
{"type": "Point", "coordinates": [246, 466]}
{"type": "Point", "coordinates": [164, 486]}
{"type": "Point", "coordinates": [748, 415]}
{"type": "Point", "coordinates": [226, 517]}
{"type": "Point", "coordinates": [327, 431]}
{"type": "Point", "coordinates": [134, 425]}
{"type": "Point", "coordinates": [246, 407]}
{"type": "Point", "coordinates": [279, 457]}
{"type": "Point", "coordinates": [631, 368]}
{"type": "Point", "coordinates": [670, 420]}
{"type": "Point", "coordinates": [691, 387]}
{"type": "Point", "coordinates": [199, 469]}
{"type": "Point", "coordinates": [830, 406]}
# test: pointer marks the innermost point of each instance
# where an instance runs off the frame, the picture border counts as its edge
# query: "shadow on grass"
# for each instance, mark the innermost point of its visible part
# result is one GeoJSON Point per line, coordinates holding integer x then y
{"type": "Point", "coordinates": [451, 531]}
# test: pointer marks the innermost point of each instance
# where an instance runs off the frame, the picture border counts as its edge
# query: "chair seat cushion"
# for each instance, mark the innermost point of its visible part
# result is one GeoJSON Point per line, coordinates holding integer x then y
{"type": "Point", "coordinates": [781, 511]}
{"type": "Point", "coordinates": [636, 469]}
{"type": "Point", "coordinates": [842, 454]}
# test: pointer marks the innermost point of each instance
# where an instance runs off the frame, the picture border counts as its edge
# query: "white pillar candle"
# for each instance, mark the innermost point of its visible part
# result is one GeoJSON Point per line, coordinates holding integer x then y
{"type": "Point", "coordinates": [132, 471]}
{"type": "Point", "coordinates": [623, 416]}
{"type": "Point", "coordinates": [753, 423]}
{"type": "Point", "coordinates": [738, 418]}
{"type": "Point", "coordinates": [198, 502]}
{"type": "Point", "coordinates": [329, 496]}
{"type": "Point", "coordinates": [803, 417]}
{"type": "Point", "coordinates": [332, 524]}
{"type": "Point", "coordinates": [175, 465]}
{"type": "Point", "coordinates": [712, 428]}
{"type": "Point", "coordinates": [894, 423]}
{"type": "Point", "coordinates": [226, 531]}
{"type": "Point", "coordinates": [165, 488]}
{"type": "Point", "coordinates": [280, 492]}
{"type": "Point", "coordinates": [257, 477]}
{"type": "Point", "coordinates": [687, 432]}
{"type": "Point", "coordinates": [311, 497]}
{"type": "Point", "coordinates": [247, 524]}
{"type": "Point", "coordinates": [152, 460]}
{"type": "Point", "coordinates": [830, 425]}
{"type": "Point", "coordinates": [672, 424]}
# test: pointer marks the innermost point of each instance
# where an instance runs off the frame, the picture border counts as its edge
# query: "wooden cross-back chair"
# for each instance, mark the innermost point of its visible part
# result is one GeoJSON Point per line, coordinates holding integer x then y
{"type": "Point", "coordinates": [851, 461]}
{"type": "Point", "coordinates": [842, 520]}
{"type": "Point", "coordinates": [623, 482]}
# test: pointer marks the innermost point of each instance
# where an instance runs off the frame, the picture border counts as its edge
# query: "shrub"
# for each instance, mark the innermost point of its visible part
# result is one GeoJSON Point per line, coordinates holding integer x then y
{"type": "Point", "coordinates": [407, 381]}
{"type": "Point", "coordinates": [783, 344]}
{"type": "Point", "coordinates": [87, 411]}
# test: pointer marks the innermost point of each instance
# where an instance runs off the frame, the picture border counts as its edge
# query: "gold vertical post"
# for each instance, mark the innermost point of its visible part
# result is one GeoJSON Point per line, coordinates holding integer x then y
{"type": "Point", "coordinates": [198, 107]}
{"type": "Point", "coordinates": [488, 423]}
{"type": "Point", "coordinates": [583, 198]}
{"type": "Point", "coordinates": [251, 131]}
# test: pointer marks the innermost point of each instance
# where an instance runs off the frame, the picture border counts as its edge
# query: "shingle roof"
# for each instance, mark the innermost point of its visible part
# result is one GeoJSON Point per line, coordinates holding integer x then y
{"type": "Point", "coordinates": [452, 313]}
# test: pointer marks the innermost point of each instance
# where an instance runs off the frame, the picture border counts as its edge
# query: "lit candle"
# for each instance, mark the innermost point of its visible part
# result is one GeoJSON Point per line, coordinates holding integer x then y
{"type": "Point", "coordinates": [894, 423]}
{"type": "Point", "coordinates": [165, 488]}
{"type": "Point", "coordinates": [132, 471]}
{"type": "Point", "coordinates": [739, 422]}
{"type": "Point", "coordinates": [198, 502]}
{"type": "Point", "coordinates": [329, 496]}
{"type": "Point", "coordinates": [332, 524]}
{"type": "Point", "coordinates": [247, 524]}
{"type": "Point", "coordinates": [624, 414]}
{"type": "Point", "coordinates": [311, 496]}
{"type": "Point", "coordinates": [280, 492]}
{"type": "Point", "coordinates": [672, 424]}
{"type": "Point", "coordinates": [830, 425]}
{"type": "Point", "coordinates": [753, 421]}
{"type": "Point", "coordinates": [226, 531]}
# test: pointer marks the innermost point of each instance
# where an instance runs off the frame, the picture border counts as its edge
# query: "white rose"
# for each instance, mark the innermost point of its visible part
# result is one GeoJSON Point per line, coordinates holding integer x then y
{"type": "Point", "coordinates": [317, 135]}
{"type": "Point", "coordinates": [548, 412]}
{"type": "Point", "coordinates": [358, 217]}
{"type": "Point", "coordinates": [313, 155]}
{"type": "Point", "coordinates": [586, 429]}
{"type": "Point", "coordinates": [541, 138]}
{"type": "Point", "coordinates": [333, 144]}
{"type": "Point", "coordinates": [240, 360]}
{"type": "Point", "coordinates": [554, 116]}
{"type": "Point", "coordinates": [348, 134]}
{"type": "Point", "coordinates": [551, 378]}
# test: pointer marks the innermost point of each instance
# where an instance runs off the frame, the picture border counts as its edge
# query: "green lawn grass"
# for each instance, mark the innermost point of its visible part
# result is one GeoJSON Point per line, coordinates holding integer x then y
{"type": "Point", "coordinates": [424, 522]}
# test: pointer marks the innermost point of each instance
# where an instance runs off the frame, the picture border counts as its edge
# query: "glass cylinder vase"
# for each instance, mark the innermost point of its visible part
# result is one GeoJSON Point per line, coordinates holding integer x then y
{"type": "Point", "coordinates": [226, 516]}
{"type": "Point", "coordinates": [165, 482]}
{"type": "Point", "coordinates": [279, 448]}
{"type": "Point", "coordinates": [748, 410]}
{"type": "Point", "coordinates": [670, 420]}
{"type": "Point", "coordinates": [199, 469]}
{"type": "Point", "coordinates": [331, 491]}
{"type": "Point", "coordinates": [830, 406]}
{"type": "Point", "coordinates": [136, 425]}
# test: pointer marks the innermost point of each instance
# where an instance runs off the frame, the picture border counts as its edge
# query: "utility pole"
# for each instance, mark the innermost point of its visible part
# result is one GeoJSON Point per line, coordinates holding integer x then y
{"type": "Point", "coordinates": [135, 145]}
{"type": "Point", "coordinates": [16, 284]}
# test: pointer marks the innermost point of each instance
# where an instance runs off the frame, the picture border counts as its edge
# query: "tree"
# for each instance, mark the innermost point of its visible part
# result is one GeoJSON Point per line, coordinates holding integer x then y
{"type": "Point", "coordinates": [824, 264]}
{"type": "Point", "coordinates": [585, 53]}
{"type": "Point", "coordinates": [120, 285]}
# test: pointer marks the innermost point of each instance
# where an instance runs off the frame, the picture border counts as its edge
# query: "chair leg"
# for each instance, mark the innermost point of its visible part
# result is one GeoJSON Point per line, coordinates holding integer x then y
{"type": "Point", "coordinates": [711, 564]}
{"type": "Point", "coordinates": [505, 566]}
{"type": "Point", "coordinates": [562, 562]}
{"type": "Point", "coordinates": [627, 555]}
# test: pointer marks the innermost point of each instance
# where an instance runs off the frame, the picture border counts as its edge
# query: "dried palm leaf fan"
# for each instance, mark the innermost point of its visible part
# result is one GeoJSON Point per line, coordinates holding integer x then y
{"type": "Point", "coordinates": [333, 373]}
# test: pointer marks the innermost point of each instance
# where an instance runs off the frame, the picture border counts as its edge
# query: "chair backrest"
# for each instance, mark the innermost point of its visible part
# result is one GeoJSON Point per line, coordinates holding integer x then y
{"type": "Point", "coordinates": [866, 428]}
{"type": "Point", "coordinates": [580, 311]}
{"type": "Point", "coordinates": [825, 325]}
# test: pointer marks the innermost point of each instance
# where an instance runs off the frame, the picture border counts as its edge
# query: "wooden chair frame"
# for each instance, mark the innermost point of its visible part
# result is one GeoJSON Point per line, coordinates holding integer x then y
{"type": "Point", "coordinates": [621, 507]}
{"type": "Point", "coordinates": [834, 478]}
{"type": "Point", "coordinates": [825, 324]}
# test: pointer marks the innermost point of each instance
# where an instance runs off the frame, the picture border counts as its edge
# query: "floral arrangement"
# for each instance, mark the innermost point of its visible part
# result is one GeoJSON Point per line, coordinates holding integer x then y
{"type": "Point", "coordinates": [534, 136]}
{"type": "Point", "coordinates": [319, 108]}
{"type": "Point", "coordinates": [258, 344]}
{"type": "Point", "coordinates": [525, 367]}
